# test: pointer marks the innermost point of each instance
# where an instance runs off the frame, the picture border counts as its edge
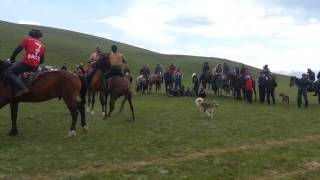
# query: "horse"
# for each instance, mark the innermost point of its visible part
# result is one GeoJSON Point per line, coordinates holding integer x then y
{"type": "Point", "coordinates": [116, 86]}
{"type": "Point", "coordinates": [314, 86]}
{"type": "Point", "coordinates": [48, 85]}
{"type": "Point", "coordinates": [141, 85]}
{"type": "Point", "coordinates": [239, 83]}
{"type": "Point", "coordinates": [168, 81]}
{"type": "Point", "coordinates": [156, 79]}
{"type": "Point", "coordinates": [94, 87]}
{"type": "Point", "coordinates": [206, 78]}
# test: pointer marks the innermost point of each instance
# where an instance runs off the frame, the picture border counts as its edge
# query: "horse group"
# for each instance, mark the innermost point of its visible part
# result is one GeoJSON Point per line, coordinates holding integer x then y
{"type": "Point", "coordinates": [225, 83]}
{"type": "Point", "coordinates": [69, 87]}
{"type": "Point", "coordinates": [144, 85]}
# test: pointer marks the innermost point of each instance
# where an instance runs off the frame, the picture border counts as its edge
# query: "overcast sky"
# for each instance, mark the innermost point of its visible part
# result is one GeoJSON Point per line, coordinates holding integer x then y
{"type": "Point", "coordinates": [281, 33]}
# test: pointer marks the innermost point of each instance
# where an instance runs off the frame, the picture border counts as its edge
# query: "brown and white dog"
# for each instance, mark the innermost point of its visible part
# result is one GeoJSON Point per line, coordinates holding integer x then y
{"type": "Point", "coordinates": [206, 108]}
{"type": "Point", "coordinates": [285, 98]}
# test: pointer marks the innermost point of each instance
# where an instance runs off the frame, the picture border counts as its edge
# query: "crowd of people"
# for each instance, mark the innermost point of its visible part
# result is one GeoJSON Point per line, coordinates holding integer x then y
{"type": "Point", "coordinates": [118, 65]}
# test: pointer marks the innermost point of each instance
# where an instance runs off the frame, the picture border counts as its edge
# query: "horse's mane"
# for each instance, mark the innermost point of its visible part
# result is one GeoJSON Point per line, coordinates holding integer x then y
{"type": "Point", "coordinates": [3, 66]}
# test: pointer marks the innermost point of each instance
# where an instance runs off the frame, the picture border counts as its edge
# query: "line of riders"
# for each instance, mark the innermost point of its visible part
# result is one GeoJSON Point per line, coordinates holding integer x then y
{"type": "Point", "coordinates": [35, 53]}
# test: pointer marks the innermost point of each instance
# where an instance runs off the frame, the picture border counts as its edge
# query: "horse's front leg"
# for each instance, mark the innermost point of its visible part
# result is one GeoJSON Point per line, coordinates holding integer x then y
{"type": "Point", "coordinates": [14, 116]}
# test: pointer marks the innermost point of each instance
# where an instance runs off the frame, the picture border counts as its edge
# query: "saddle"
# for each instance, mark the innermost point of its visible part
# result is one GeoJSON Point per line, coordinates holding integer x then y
{"type": "Point", "coordinates": [29, 78]}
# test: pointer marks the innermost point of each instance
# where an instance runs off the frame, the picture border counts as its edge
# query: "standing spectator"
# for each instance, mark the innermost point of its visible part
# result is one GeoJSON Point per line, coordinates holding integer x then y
{"type": "Point", "coordinates": [249, 89]}
{"type": "Point", "coordinates": [271, 86]}
{"type": "Point", "coordinates": [302, 84]}
{"type": "Point", "coordinates": [262, 81]}
{"type": "Point", "coordinates": [178, 79]}
{"type": "Point", "coordinates": [64, 67]}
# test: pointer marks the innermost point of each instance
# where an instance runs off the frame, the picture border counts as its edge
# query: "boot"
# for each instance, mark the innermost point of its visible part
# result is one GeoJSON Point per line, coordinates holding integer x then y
{"type": "Point", "coordinates": [17, 85]}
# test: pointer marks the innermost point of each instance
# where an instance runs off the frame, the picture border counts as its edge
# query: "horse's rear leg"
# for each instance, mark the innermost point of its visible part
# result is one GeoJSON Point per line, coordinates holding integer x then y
{"type": "Point", "coordinates": [93, 96]}
{"type": "Point", "coordinates": [103, 103]}
{"type": "Point", "coordinates": [122, 103]}
{"type": "Point", "coordinates": [111, 105]}
{"type": "Point", "coordinates": [131, 106]}
{"type": "Point", "coordinates": [73, 108]}
{"type": "Point", "coordinates": [14, 116]}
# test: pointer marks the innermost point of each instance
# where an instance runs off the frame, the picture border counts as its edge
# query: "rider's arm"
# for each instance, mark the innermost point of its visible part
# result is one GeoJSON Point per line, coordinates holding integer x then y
{"type": "Point", "coordinates": [15, 53]}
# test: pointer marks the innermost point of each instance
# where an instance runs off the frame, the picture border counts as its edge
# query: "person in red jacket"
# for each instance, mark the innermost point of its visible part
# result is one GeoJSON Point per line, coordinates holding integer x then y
{"type": "Point", "coordinates": [33, 57]}
{"type": "Point", "coordinates": [249, 89]}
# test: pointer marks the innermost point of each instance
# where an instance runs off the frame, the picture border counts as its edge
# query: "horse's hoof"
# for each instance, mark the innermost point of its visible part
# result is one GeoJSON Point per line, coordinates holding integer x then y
{"type": "Point", "coordinates": [92, 112]}
{"type": "Point", "coordinates": [12, 133]}
{"type": "Point", "coordinates": [103, 113]}
{"type": "Point", "coordinates": [72, 133]}
{"type": "Point", "coordinates": [85, 128]}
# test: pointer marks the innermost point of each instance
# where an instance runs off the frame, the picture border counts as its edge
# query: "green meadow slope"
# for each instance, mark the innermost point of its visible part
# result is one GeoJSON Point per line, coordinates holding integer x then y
{"type": "Point", "coordinates": [169, 140]}
{"type": "Point", "coordinates": [73, 48]}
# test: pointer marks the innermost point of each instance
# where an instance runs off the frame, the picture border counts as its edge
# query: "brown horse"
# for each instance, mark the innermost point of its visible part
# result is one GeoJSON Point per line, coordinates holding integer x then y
{"type": "Point", "coordinates": [117, 86]}
{"type": "Point", "coordinates": [49, 85]}
{"type": "Point", "coordinates": [155, 79]}
{"type": "Point", "coordinates": [94, 87]}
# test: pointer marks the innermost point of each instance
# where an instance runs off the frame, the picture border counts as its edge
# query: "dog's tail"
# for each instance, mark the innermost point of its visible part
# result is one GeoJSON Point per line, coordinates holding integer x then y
{"type": "Point", "coordinates": [198, 101]}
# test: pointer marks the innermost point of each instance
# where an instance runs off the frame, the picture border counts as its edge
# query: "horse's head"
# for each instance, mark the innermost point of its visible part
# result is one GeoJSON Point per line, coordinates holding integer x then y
{"type": "Point", "coordinates": [104, 62]}
{"type": "Point", "coordinates": [292, 81]}
{"type": "Point", "coordinates": [3, 66]}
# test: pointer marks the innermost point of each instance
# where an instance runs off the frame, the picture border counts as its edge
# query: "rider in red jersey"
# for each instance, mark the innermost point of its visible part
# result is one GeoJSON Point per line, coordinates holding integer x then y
{"type": "Point", "coordinates": [33, 57]}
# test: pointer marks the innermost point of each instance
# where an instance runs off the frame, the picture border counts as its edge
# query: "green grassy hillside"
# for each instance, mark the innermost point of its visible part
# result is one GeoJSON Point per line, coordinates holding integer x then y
{"type": "Point", "coordinates": [73, 48]}
{"type": "Point", "coordinates": [169, 140]}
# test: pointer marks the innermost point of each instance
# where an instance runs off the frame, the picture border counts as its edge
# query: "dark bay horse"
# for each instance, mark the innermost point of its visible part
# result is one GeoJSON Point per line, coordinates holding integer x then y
{"type": "Point", "coordinates": [49, 85]}
{"type": "Point", "coordinates": [155, 79]}
{"type": "Point", "coordinates": [238, 84]}
{"type": "Point", "coordinates": [206, 79]}
{"type": "Point", "coordinates": [117, 86]}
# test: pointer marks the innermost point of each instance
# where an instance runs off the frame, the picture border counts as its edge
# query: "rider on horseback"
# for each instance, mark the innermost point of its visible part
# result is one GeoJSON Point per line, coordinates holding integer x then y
{"type": "Point", "coordinates": [226, 69]}
{"type": "Point", "coordinates": [94, 57]}
{"type": "Point", "coordinates": [34, 55]}
{"type": "Point", "coordinates": [158, 69]}
{"type": "Point", "coordinates": [117, 63]}
{"type": "Point", "coordinates": [218, 71]}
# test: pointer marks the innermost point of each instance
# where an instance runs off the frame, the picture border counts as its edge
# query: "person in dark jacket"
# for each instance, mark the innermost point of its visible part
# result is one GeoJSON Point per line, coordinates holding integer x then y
{"type": "Point", "coordinates": [311, 75]}
{"type": "Point", "coordinates": [262, 81]}
{"type": "Point", "coordinates": [303, 85]}
{"type": "Point", "coordinates": [226, 69]}
{"type": "Point", "coordinates": [271, 86]}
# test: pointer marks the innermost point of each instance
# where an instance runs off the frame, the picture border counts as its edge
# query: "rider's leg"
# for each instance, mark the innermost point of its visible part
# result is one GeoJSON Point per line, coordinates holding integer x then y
{"type": "Point", "coordinates": [12, 75]}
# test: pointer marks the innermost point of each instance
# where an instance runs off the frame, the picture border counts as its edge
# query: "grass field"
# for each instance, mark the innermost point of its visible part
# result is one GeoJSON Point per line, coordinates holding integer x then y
{"type": "Point", "coordinates": [169, 140]}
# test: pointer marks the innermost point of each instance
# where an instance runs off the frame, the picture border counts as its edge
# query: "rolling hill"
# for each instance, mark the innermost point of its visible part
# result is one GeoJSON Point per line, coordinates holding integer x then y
{"type": "Point", "coordinates": [73, 48]}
